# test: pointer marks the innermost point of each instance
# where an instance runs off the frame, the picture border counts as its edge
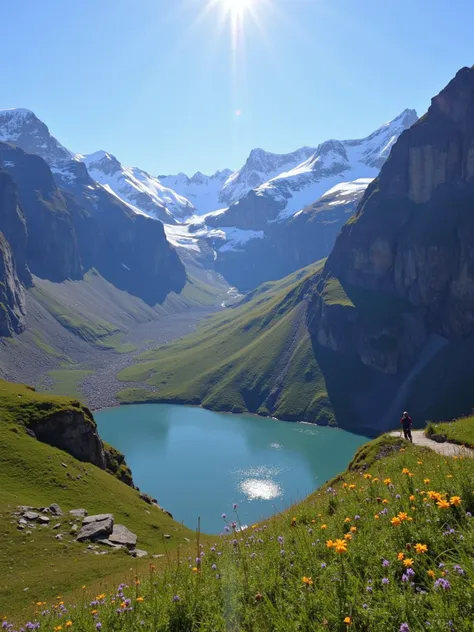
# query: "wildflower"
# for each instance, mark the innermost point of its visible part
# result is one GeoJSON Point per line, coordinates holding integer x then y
{"type": "Point", "coordinates": [369, 589]}
{"type": "Point", "coordinates": [405, 578]}
{"type": "Point", "coordinates": [324, 526]}
{"type": "Point", "coordinates": [348, 536]}
{"type": "Point", "coordinates": [455, 501]}
{"type": "Point", "coordinates": [396, 521]}
{"type": "Point", "coordinates": [347, 620]}
{"type": "Point", "coordinates": [408, 561]}
{"type": "Point", "coordinates": [385, 501]}
{"type": "Point", "coordinates": [412, 498]}
{"type": "Point", "coordinates": [98, 625]}
{"type": "Point", "coordinates": [398, 496]}
{"type": "Point", "coordinates": [410, 572]}
{"type": "Point", "coordinates": [404, 627]}
{"type": "Point", "coordinates": [356, 517]}
{"type": "Point", "coordinates": [214, 567]}
{"type": "Point", "coordinates": [176, 598]}
{"type": "Point", "coordinates": [258, 597]}
{"type": "Point", "coordinates": [443, 504]}
{"type": "Point", "coordinates": [426, 481]}
{"type": "Point", "coordinates": [403, 516]}
{"type": "Point", "coordinates": [323, 564]}
{"type": "Point", "coordinates": [405, 470]}
{"type": "Point", "coordinates": [400, 556]}
{"type": "Point", "coordinates": [224, 516]}
{"type": "Point", "coordinates": [293, 522]}
{"type": "Point", "coordinates": [459, 569]}
{"type": "Point", "coordinates": [352, 486]}
{"type": "Point", "coordinates": [385, 563]}
{"type": "Point", "coordinates": [195, 569]}
{"type": "Point", "coordinates": [387, 481]}
{"type": "Point", "coordinates": [58, 628]}
{"type": "Point", "coordinates": [101, 596]}
{"type": "Point", "coordinates": [420, 548]}
{"type": "Point", "coordinates": [234, 505]}
{"type": "Point", "coordinates": [69, 624]}
{"type": "Point", "coordinates": [340, 546]}
{"type": "Point", "coordinates": [375, 480]}
{"type": "Point", "coordinates": [353, 529]}
{"type": "Point", "coordinates": [367, 476]}
{"type": "Point", "coordinates": [449, 476]}
{"type": "Point", "coordinates": [308, 581]}
{"type": "Point", "coordinates": [376, 517]}
{"type": "Point", "coordinates": [140, 599]}
{"type": "Point", "coordinates": [347, 520]}
{"type": "Point", "coordinates": [442, 583]}
{"type": "Point", "coordinates": [385, 581]}
{"type": "Point", "coordinates": [330, 544]}
{"type": "Point", "coordinates": [93, 612]}
{"type": "Point", "coordinates": [280, 539]}
{"type": "Point", "coordinates": [431, 573]}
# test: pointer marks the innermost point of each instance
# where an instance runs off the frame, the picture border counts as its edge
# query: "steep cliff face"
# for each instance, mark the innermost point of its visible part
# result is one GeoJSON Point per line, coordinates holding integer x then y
{"type": "Point", "coordinates": [12, 295]}
{"type": "Point", "coordinates": [399, 284]}
{"type": "Point", "coordinates": [13, 225]}
{"type": "Point", "coordinates": [52, 248]}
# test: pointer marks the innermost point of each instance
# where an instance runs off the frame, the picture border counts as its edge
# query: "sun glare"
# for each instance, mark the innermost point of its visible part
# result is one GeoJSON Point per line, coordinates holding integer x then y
{"type": "Point", "coordinates": [237, 7]}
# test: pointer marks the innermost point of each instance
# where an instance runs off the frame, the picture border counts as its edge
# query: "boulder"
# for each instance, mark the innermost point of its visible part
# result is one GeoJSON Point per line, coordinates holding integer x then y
{"type": "Point", "coordinates": [97, 529]}
{"type": "Point", "coordinates": [122, 535]}
{"type": "Point", "coordinates": [57, 525]}
{"type": "Point", "coordinates": [97, 518]}
{"type": "Point", "coordinates": [22, 522]}
{"type": "Point", "coordinates": [30, 515]}
{"type": "Point", "coordinates": [44, 519]}
{"type": "Point", "coordinates": [138, 553]}
{"type": "Point", "coordinates": [439, 438]}
{"type": "Point", "coordinates": [78, 513]}
{"type": "Point", "coordinates": [55, 509]}
{"type": "Point", "coordinates": [74, 529]}
{"type": "Point", "coordinates": [107, 542]}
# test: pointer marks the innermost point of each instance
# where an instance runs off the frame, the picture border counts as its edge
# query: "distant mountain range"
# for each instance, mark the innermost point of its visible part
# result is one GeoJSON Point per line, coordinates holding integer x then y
{"type": "Point", "coordinates": [277, 213]}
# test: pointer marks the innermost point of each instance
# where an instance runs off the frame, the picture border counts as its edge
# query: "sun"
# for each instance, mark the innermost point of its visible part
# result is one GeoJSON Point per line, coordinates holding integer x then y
{"type": "Point", "coordinates": [237, 8]}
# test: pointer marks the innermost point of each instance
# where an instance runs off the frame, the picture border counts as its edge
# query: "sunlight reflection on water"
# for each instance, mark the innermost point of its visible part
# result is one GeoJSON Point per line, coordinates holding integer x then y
{"type": "Point", "coordinates": [258, 489]}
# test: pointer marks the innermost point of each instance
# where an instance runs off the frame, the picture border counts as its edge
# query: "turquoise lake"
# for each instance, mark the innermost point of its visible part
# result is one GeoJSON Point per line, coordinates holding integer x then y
{"type": "Point", "coordinates": [197, 463]}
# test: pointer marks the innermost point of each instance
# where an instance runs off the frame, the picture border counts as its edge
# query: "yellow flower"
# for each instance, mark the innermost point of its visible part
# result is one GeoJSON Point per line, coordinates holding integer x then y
{"type": "Point", "coordinates": [347, 620]}
{"type": "Point", "coordinates": [123, 605]}
{"type": "Point", "coordinates": [426, 481]}
{"type": "Point", "coordinates": [455, 500]}
{"type": "Point", "coordinates": [140, 599]}
{"type": "Point", "coordinates": [375, 480]}
{"type": "Point", "coordinates": [387, 481]}
{"type": "Point", "coordinates": [449, 476]}
{"type": "Point", "coordinates": [39, 603]}
{"type": "Point", "coordinates": [347, 519]}
{"type": "Point", "coordinates": [100, 597]}
{"type": "Point", "coordinates": [421, 548]}
{"type": "Point", "coordinates": [308, 581]}
{"type": "Point", "coordinates": [195, 569]}
{"type": "Point", "coordinates": [293, 522]}
{"type": "Point", "coordinates": [405, 470]}
{"type": "Point", "coordinates": [83, 587]}
{"type": "Point", "coordinates": [353, 529]}
{"type": "Point", "coordinates": [254, 526]}
{"type": "Point", "coordinates": [434, 495]}
{"type": "Point", "coordinates": [340, 546]}
{"type": "Point", "coordinates": [352, 486]}
{"type": "Point", "coordinates": [443, 504]}
{"type": "Point", "coordinates": [330, 544]}
{"type": "Point", "coordinates": [58, 628]}
{"type": "Point", "coordinates": [420, 462]}
{"type": "Point", "coordinates": [324, 526]}
{"type": "Point", "coordinates": [403, 516]}
{"type": "Point", "coordinates": [412, 498]}
{"type": "Point", "coordinates": [408, 561]}
{"type": "Point", "coordinates": [410, 474]}
{"type": "Point", "coordinates": [401, 556]}
{"type": "Point", "coordinates": [377, 517]}
{"type": "Point", "coordinates": [431, 573]}
{"type": "Point", "coordinates": [344, 485]}
{"type": "Point", "coordinates": [396, 521]}
{"type": "Point", "coordinates": [348, 536]}
{"type": "Point", "coordinates": [68, 624]}
{"type": "Point", "coordinates": [384, 501]}
{"type": "Point", "coordinates": [367, 476]}
{"type": "Point", "coordinates": [402, 449]}
{"type": "Point", "coordinates": [93, 611]}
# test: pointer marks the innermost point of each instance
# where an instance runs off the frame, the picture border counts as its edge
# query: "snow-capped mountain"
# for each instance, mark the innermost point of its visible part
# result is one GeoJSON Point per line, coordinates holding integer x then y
{"type": "Point", "coordinates": [203, 191]}
{"type": "Point", "coordinates": [21, 127]}
{"type": "Point", "coordinates": [137, 188]}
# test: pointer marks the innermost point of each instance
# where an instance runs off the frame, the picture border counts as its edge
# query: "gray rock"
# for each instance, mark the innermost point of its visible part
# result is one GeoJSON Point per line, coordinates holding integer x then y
{"type": "Point", "coordinates": [74, 528]}
{"type": "Point", "coordinates": [23, 522]}
{"type": "Point", "coordinates": [186, 539]}
{"type": "Point", "coordinates": [44, 519]}
{"type": "Point", "coordinates": [20, 526]}
{"type": "Point", "coordinates": [98, 518]}
{"type": "Point", "coordinates": [96, 529]}
{"type": "Point", "coordinates": [57, 525]}
{"type": "Point", "coordinates": [107, 542]}
{"type": "Point", "coordinates": [439, 438]}
{"type": "Point", "coordinates": [158, 555]}
{"type": "Point", "coordinates": [167, 536]}
{"type": "Point", "coordinates": [59, 536]}
{"type": "Point", "coordinates": [138, 553]}
{"type": "Point", "coordinates": [122, 535]}
{"type": "Point", "coordinates": [30, 515]}
{"type": "Point", "coordinates": [55, 509]}
{"type": "Point", "coordinates": [78, 513]}
{"type": "Point", "coordinates": [64, 464]}
{"type": "Point", "coordinates": [23, 508]}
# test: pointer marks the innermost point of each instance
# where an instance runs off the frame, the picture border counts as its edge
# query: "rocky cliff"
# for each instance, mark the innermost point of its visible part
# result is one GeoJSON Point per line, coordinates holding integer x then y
{"type": "Point", "coordinates": [399, 284]}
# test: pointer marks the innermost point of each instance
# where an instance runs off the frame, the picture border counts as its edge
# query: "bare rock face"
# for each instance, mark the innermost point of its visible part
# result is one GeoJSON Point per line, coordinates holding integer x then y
{"type": "Point", "coordinates": [406, 260]}
{"type": "Point", "coordinates": [73, 431]}
{"type": "Point", "coordinates": [122, 535]}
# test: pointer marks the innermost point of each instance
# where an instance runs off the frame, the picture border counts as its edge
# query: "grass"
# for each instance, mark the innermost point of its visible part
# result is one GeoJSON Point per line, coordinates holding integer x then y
{"type": "Point", "coordinates": [387, 545]}
{"type": "Point", "coordinates": [460, 431]}
{"type": "Point", "coordinates": [255, 357]}
{"type": "Point", "coordinates": [37, 566]}
{"type": "Point", "coordinates": [45, 347]}
{"type": "Point", "coordinates": [68, 381]}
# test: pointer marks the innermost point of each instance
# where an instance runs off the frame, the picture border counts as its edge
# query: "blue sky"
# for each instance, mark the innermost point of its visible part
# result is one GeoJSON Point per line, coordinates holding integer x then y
{"type": "Point", "coordinates": [156, 83]}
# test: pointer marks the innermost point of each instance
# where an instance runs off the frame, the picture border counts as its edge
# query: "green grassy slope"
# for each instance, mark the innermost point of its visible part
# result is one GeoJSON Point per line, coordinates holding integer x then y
{"type": "Point", "coordinates": [401, 517]}
{"type": "Point", "coordinates": [32, 473]}
{"type": "Point", "coordinates": [460, 431]}
{"type": "Point", "coordinates": [256, 357]}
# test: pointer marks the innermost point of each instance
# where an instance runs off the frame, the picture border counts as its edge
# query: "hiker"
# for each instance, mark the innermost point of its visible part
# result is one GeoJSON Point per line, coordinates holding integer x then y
{"type": "Point", "coordinates": [406, 425]}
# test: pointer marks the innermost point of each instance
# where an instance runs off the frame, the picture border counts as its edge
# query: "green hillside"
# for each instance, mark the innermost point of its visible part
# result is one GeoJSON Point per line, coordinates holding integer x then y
{"type": "Point", "coordinates": [256, 357]}
{"type": "Point", "coordinates": [36, 566]}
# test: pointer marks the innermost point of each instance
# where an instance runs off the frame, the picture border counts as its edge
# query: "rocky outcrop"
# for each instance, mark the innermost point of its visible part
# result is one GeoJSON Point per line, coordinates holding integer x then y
{"type": "Point", "coordinates": [73, 431]}
{"type": "Point", "coordinates": [399, 283]}
{"type": "Point", "coordinates": [12, 295]}
{"type": "Point", "coordinates": [13, 225]}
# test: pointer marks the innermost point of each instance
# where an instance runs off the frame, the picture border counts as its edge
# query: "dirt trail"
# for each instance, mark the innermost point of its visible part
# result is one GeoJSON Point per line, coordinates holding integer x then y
{"type": "Point", "coordinates": [448, 449]}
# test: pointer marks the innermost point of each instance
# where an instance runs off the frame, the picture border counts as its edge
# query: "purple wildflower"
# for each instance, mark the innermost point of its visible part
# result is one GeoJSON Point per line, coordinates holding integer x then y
{"type": "Point", "coordinates": [385, 581]}
{"type": "Point", "coordinates": [224, 516]}
{"type": "Point", "coordinates": [459, 569]}
{"type": "Point", "coordinates": [404, 627]}
{"type": "Point", "coordinates": [404, 578]}
{"type": "Point", "coordinates": [410, 572]}
{"type": "Point", "coordinates": [280, 539]}
{"type": "Point", "coordinates": [323, 565]}
{"type": "Point", "coordinates": [198, 561]}
{"type": "Point", "coordinates": [468, 514]}
{"type": "Point", "coordinates": [234, 505]}
{"type": "Point", "coordinates": [369, 589]}
{"type": "Point", "coordinates": [214, 567]}
{"type": "Point", "coordinates": [282, 552]}
{"type": "Point", "coordinates": [357, 517]}
{"type": "Point", "coordinates": [98, 625]}
{"type": "Point", "coordinates": [398, 496]}
{"type": "Point", "coordinates": [365, 606]}
{"type": "Point", "coordinates": [226, 529]}
{"type": "Point", "coordinates": [442, 583]}
{"type": "Point", "coordinates": [385, 563]}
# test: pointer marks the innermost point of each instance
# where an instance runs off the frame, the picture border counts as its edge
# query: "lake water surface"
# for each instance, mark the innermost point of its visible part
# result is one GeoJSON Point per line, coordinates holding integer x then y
{"type": "Point", "coordinates": [198, 463]}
